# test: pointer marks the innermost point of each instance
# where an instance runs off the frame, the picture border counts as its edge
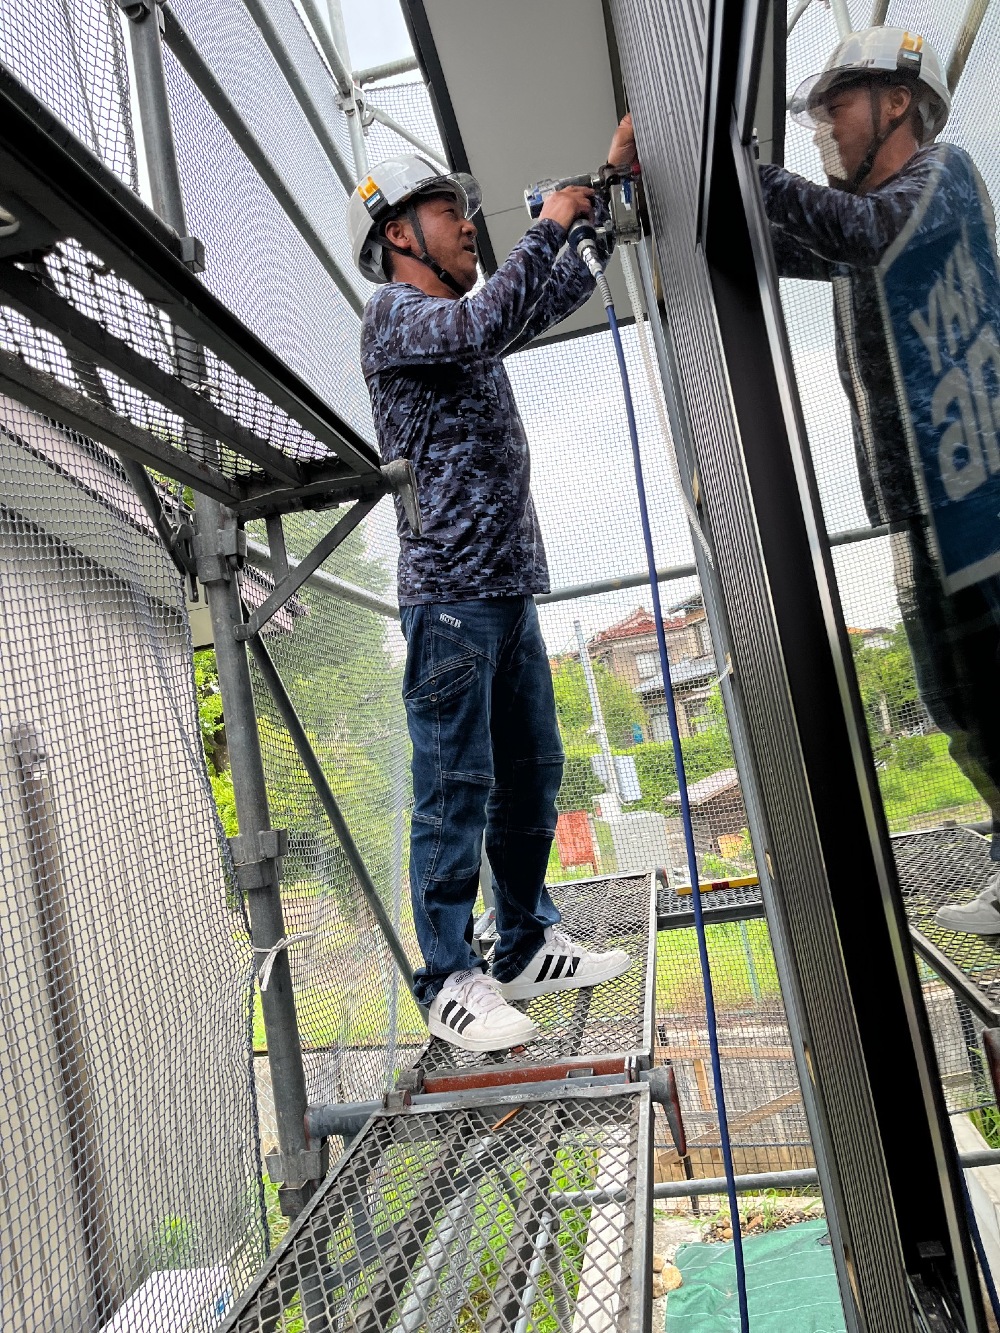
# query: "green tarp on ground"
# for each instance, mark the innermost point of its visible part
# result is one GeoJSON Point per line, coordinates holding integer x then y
{"type": "Point", "coordinates": [791, 1285]}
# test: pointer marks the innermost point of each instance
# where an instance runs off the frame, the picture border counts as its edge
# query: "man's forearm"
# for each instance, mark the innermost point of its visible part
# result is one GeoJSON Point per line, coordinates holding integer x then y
{"type": "Point", "coordinates": [838, 227]}
{"type": "Point", "coordinates": [417, 329]}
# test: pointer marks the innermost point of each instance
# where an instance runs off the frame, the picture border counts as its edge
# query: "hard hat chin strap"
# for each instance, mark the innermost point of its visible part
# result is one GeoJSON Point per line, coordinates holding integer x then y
{"type": "Point", "coordinates": [878, 139]}
{"type": "Point", "coordinates": [439, 272]}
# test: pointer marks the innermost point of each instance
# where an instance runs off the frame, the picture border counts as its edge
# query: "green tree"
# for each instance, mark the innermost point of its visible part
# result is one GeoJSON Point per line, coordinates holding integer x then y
{"type": "Point", "coordinates": [619, 704]}
{"type": "Point", "coordinates": [887, 685]}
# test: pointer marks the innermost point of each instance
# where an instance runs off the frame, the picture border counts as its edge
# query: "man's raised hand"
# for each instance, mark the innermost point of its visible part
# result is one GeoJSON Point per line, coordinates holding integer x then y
{"type": "Point", "coordinates": [565, 206]}
{"type": "Point", "coordinates": [622, 151]}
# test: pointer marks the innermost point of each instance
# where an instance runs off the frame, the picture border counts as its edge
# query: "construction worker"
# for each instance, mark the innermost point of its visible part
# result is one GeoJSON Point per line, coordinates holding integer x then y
{"type": "Point", "coordinates": [877, 108]}
{"type": "Point", "coordinates": [487, 755]}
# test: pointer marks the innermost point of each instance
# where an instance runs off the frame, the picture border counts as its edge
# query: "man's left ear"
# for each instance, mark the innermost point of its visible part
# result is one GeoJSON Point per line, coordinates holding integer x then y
{"type": "Point", "coordinates": [900, 99]}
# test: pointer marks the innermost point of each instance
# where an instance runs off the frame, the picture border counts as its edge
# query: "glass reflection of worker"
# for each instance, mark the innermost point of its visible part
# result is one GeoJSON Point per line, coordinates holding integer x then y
{"type": "Point", "coordinates": [477, 687]}
{"type": "Point", "coordinates": [877, 108]}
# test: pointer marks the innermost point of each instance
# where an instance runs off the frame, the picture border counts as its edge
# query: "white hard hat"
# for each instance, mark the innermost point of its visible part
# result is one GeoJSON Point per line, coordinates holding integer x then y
{"type": "Point", "coordinates": [385, 190]}
{"type": "Point", "coordinates": [879, 53]}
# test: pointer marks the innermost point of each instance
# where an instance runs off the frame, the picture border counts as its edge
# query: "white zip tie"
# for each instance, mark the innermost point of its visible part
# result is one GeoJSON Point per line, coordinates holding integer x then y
{"type": "Point", "coordinates": [271, 954]}
{"type": "Point", "coordinates": [656, 392]}
{"type": "Point", "coordinates": [727, 671]}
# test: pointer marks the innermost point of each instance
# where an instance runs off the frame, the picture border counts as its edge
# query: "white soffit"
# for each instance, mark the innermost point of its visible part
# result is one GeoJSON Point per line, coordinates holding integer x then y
{"type": "Point", "coordinates": [530, 85]}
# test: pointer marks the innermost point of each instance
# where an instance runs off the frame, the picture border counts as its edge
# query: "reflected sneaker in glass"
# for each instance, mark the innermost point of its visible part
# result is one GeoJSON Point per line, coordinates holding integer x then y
{"type": "Point", "coordinates": [469, 1012]}
{"type": "Point", "coordinates": [980, 917]}
{"type": "Point", "coordinates": [562, 965]}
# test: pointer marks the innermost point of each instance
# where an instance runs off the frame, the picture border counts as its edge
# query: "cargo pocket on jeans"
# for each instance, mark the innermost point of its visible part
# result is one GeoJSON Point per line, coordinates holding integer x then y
{"type": "Point", "coordinates": [449, 681]}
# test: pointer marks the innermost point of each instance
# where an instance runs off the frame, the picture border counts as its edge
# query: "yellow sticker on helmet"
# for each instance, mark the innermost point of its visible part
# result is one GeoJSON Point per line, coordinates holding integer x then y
{"type": "Point", "coordinates": [912, 42]}
{"type": "Point", "coordinates": [367, 188]}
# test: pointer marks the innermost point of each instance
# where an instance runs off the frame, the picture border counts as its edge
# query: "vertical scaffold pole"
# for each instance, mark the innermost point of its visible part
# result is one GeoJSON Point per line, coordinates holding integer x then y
{"type": "Point", "coordinates": [258, 847]}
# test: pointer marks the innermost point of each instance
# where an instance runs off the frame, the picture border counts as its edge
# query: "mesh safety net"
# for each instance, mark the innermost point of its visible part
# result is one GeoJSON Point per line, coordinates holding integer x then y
{"type": "Point", "coordinates": [128, 1116]}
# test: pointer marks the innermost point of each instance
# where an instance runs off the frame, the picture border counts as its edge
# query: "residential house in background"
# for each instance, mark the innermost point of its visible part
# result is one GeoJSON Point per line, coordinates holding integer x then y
{"type": "Point", "coordinates": [629, 651]}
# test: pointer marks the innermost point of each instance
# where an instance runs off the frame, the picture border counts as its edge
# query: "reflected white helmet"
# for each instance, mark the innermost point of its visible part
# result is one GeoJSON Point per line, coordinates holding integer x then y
{"type": "Point", "coordinates": [385, 192]}
{"type": "Point", "coordinates": [889, 55]}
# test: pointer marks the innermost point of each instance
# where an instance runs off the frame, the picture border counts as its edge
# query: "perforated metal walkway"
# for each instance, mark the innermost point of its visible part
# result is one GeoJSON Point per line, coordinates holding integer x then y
{"type": "Point", "coordinates": [487, 1215]}
{"type": "Point", "coordinates": [617, 912]}
{"type": "Point", "coordinates": [951, 865]}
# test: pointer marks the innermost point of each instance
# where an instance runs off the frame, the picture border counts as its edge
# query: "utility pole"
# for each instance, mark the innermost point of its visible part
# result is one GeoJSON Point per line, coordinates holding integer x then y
{"type": "Point", "coordinates": [611, 781]}
{"type": "Point", "coordinates": [219, 543]}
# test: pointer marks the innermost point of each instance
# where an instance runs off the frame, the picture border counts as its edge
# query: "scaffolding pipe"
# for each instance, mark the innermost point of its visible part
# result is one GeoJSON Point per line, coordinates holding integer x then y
{"type": "Point", "coordinates": [879, 10]}
{"type": "Point", "coordinates": [842, 18]}
{"type": "Point", "coordinates": [615, 585]}
{"type": "Point", "coordinates": [265, 26]}
{"type": "Point", "coordinates": [334, 49]}
{"type": "Point", "coordinates": [796, 14]}
{"type": "Point", "coordinates": [260, 555]}
{"type": "Point", "coordinates": [611, 773]}
{"type": "Point", "coordinates": [267, 925]}
{"type": "Point", "coordinates": [391, 123]}
{"type": "Point", "coordinates": [201, 75]}
{"type": "Point", "coordinates": [324, 791]}
{"type": "Point", "coordinates": [388, 70]}
{"type": "Point", "coordinates": [967, 35]}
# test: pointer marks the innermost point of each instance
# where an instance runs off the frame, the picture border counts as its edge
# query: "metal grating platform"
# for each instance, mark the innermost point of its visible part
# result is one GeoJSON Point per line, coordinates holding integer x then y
{"type": "Point", "coordinates": [614, 913]}
{"type": "Point", "coordinates": [480, 1217]}
{"type": "Point", "coordinates": [675, 912]}
{"type": "Point", "coordinates": [946, 865]}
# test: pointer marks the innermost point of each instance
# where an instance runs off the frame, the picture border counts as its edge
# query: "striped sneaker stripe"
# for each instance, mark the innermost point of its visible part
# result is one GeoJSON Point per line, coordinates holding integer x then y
{"type": "Point", "coordinates": [466, 1020]}
{"type": "Point", "coordinates": [452, 1004]}
{"type": "Point", "coordinates": [574, 964]}
{"type": "Point", "coordinates": [558, 969]}
{"type": "Point", "coordinates": [545, 968]}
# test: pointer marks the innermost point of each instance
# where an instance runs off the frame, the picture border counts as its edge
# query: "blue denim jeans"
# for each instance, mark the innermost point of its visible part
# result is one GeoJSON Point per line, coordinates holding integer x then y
{"type": "Point", "coordinates": [487, 757]}
{"type": "Point", "coordinates": [955, 642]}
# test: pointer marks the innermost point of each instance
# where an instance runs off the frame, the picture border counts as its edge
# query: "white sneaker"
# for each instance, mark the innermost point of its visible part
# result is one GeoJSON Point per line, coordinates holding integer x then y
{"type": "Point", "coordinates": [980, 917]}
{"type": "Point", "coordinates": [562, 965]}
{"type": "Point", "coordinates": [469, 1012]}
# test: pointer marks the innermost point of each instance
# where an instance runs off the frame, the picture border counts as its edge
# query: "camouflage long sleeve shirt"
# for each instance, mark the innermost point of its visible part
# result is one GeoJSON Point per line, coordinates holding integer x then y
{"type": "Point", "coordinates": [832, 235]}
{"type": "Point", "coordinates": [441, 398]}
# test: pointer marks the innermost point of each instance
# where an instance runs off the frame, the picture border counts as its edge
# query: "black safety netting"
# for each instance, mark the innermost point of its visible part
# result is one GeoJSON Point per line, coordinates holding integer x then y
{"type": "Point", "coordinates": [342, 666]}
{"type": "Point", "coordinates": [247, 417]}
{"type": "Point", "coordinates": [300, 301]}
{"type": "Point", "coordinates": [409, 104]}
{"type": "Point", "coordinates": [72, 57]}
{"type": "Point", "coordinates": [128, 1124]}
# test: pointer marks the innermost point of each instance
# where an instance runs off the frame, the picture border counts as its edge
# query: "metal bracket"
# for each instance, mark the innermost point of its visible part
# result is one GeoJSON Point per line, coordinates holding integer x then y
{"type": "Point", "coordinates": [139, 10]}
{"type": "Point", "coordinates": [192, 252]}
{"type": "Point", "coordinates": [312, 1164]}
{"type": "Point", "coordinates": [410, 1080]}
{"type": "Point", "coordinates": [397, 1101]}
{"type": "Point", "coordinates": [402, 481]}
{"type": "Point", "coordinates": [216, 553]}
{"type": "Point", "coordinates": [256, 856]}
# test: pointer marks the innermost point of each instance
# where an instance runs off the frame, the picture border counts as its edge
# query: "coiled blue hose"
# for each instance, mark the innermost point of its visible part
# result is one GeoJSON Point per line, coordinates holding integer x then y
{"type": "Point", "coordinates": [692, 859]}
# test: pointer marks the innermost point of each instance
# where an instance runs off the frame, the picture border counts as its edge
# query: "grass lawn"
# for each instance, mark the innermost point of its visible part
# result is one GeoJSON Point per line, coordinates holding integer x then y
{"type": "Point", "coordinates": [737, 961]}
{"type": "Point", "coordinates": [937, 787]}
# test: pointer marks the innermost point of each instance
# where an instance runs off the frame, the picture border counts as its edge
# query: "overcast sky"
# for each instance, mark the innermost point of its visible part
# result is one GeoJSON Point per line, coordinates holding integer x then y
{"type": "Point", "coordinates": [375, 32]}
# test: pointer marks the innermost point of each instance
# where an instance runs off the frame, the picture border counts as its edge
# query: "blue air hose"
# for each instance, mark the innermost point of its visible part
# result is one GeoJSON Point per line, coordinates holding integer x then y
{"type": "Point", "coordinates": [692, 859]}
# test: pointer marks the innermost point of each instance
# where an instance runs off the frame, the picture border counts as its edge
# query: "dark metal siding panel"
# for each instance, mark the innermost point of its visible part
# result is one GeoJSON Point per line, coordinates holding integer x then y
{"type": "Point", "coordinates": [663, 62]}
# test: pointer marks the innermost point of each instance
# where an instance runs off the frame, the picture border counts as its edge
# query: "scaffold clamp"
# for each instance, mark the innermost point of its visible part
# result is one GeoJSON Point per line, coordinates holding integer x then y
{"type": "Point", "coordinates": [256, 857]}
{"type": "Point", "coordinates": [310, 1164]}
{"type": "Point", "coordinates": [216, 552]}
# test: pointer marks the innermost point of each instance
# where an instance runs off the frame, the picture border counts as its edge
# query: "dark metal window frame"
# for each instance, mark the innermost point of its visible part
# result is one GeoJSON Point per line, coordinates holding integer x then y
{"type": "Point", "coordinates": [920, 1156]}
